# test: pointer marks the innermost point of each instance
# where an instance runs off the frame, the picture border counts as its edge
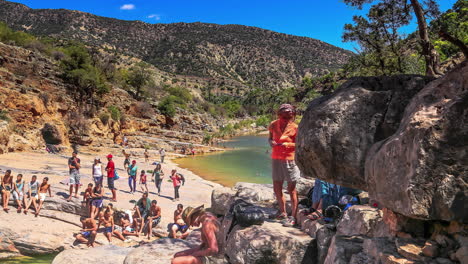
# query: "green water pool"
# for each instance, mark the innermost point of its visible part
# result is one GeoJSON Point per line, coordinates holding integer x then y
{"type": "Point", "coordinates": [248, 161]}
{"type": "Point", "coordinates": [45, 259]}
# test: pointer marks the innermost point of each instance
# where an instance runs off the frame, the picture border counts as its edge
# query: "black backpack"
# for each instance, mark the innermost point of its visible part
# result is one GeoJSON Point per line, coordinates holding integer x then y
{"type": "Point", "coordinates": [247, 214]}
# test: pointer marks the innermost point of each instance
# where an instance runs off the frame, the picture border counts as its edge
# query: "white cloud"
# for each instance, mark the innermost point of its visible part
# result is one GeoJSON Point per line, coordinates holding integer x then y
{"type": "Point", "coordinates": [155, 16]}
{"type": "Point", "coordinates": [127, 7]}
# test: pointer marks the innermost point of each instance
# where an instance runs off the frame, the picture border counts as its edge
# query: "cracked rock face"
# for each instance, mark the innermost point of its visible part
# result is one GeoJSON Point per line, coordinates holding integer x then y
{"type": "Point", "coordinates": [337, 131]}
{"type": "Point", "coordinates": [401, 138]}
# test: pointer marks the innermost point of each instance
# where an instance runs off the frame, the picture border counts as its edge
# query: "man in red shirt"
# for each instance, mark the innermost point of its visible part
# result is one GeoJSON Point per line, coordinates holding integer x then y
{"type": "Point", "coordinates": [110, 168]}
{"type": "Point", "coordinates": [282, 139]}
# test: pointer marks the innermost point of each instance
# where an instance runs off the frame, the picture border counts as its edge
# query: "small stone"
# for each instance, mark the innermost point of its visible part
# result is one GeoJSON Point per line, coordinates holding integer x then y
{"type": "Point", "coordinates": [430, 249]}
{"type": "Point", "coordinates": [403, 235]}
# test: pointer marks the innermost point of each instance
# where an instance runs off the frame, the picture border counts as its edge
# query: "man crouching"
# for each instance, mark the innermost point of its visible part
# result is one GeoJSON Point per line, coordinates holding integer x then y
{"type": "Point", "coordinates": [211, 237]}
{"type": "Point", "coordinates": [88, 233]}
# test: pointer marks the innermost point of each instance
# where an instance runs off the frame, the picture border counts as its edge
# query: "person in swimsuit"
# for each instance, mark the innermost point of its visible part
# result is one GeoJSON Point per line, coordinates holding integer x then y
{"type": "Point", "coordinates": [143, 181]}
{"type": "Point", "coordinates": [88, 233]}
{"type": "Point", "coordinates": [153, 219]}
{"type": "Point", "coordinates": [6, 187]}
{"type": "Point", "coordinates": [109, 227]}
{"type": "Point", "coordinates": [97, 197]}
{"type": "Point", "coordinates": [179, 224]}
{"type": "Point", "coordinates": [43, 189]}
{"type": "Point", "coordinates": [18, 192]}
{"type": "Point", "coordinates": [211, 234]}
{"type": "Point", "coordinates": [131, 228]}
{"type": "Point", "coordinates": [33, 195]}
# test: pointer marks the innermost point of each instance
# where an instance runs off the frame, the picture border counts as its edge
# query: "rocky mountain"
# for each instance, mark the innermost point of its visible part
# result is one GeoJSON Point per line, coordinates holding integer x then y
{"type": "Point", "coordinates": [237, 56]}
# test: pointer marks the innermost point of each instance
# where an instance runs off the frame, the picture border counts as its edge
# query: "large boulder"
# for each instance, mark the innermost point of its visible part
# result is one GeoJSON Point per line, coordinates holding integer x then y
{"type": "Point", "coordinates": [421, 171]}
{"type": "Point", "coordinates": [337, 131]}
{"type": "Point", "coordinates": [108, 254]}
{"type": "Point", "coordinates": [269, 243]}
{"type": "Point", "coordinates": [221, 199]}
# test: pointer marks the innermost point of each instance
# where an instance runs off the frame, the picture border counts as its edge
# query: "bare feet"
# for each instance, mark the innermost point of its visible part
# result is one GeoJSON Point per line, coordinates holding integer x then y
{"type": "Point", "coordinates": [25, 211]}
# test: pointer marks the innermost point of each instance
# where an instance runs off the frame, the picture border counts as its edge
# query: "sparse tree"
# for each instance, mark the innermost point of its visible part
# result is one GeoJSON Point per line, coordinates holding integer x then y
{"type": "Point", "coordinates": [424, 11]}
{"type": "Point", "coordinates": [139, 77]}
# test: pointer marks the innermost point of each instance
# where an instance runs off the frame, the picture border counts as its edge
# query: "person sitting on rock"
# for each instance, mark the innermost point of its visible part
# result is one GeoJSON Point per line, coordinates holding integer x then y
{"type": "Point", "coordinates": [211, 234]}
{"type": "Point", "coordinates": [5, 188]}
{"type": "Point", "coordinates": [131, 226]}
{"type": "Point", "coordinates": [143, 205]}
{"type": "Point", "coordinates": [179, 224]}
{"type": "Point", "coordinates": [282, 139]}
{"type": "Point", "coordinates": [153, 219]}
{"type": "Point", "coordinates": [88, 233]}
{"type": "Point", "coordinates": [18, 191]}
{"type": "Point", "coordinates": [109, 227]}
{"type": "Point", "coordinates": [43, 189]}
{"type": "Point", "coordinates": [97, 199]}
{"type": "Point", "coordinates": [32, 194]}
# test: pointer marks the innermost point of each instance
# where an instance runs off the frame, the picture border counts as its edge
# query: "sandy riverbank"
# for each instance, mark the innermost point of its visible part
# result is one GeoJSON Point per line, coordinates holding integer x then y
{"type": "Point", "coordinates": [196, 190]}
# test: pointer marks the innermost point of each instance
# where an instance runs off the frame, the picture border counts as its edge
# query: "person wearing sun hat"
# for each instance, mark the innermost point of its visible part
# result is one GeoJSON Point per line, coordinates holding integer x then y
{"type": "Point", "coordinates": [212, 239]}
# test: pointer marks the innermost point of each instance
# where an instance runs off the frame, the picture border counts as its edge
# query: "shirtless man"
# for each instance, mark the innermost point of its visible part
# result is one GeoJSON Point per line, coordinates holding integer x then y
{"type": "Point", "coordinates": [87, 197]}
{"type": "Point", "coordinates": [109, 227]}
{"type": "Point", "coordinates": [43, 189]}
{"type": "Point", "coordinates": [131, 228]}
{"type": "Point", "coordinates": [6, 188]}
{"type": "Point", "coordinates": [179, 224]}
{"type": "Point", "coordinates": [211, 237]}
{"type": "Point", "coordinates": [153, 219]}
{"type": "Point", "coordinates": [88, 233]}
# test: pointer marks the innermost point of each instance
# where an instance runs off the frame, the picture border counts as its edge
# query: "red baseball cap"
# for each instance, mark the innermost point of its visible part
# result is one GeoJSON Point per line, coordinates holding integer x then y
{"type": "Point", "coordinates": [134, 161]}
{"type": "Point", "coordinates": [109, 156]}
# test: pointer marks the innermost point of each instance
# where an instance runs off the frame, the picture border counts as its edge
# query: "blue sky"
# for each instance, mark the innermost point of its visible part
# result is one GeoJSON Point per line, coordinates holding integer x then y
{"type": "Point", "coordinates": [319, 19]}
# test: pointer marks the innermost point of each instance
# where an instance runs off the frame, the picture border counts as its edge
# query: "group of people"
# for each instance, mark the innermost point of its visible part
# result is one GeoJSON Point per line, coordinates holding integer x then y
{"type": "Point", "coordinates": [24, 194]}
{"type": "Point", "coordinates": [146, 215]}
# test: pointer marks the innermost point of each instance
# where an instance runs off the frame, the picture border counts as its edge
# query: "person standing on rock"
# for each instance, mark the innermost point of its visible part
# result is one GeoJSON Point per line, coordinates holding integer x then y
{"type": "Point", "coordinates": [282, 139]}
{"type": "Point", "coordinates": [110, 168]}
{"type": "Point", "coordinates": [132, 175]}
{"type": "Point", "coordinates": [162, 153]}
{"type": "Point", "coordinates": [5, 188]}
{"type": "Point", "coordinates": [211, 234]}
{"type": "Point", "coordinates": [74, 167]}
{"type": "Point", "coordinates": [176, 182]}
{"type": "Point", "coordinates": [18, 191]}
{"type": "Point", "coordinates": [97, 171]}
{"type": "Point", "coordinates": [146, 156]}
{"type": "Point", "coordinates": [158, 175]}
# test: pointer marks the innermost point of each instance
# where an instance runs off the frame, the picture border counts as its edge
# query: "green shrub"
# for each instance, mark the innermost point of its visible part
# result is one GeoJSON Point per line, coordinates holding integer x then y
{"type": "Point", "coordinates": [263, 121]}
{"type": "Point", "coordinates": [4, 115]}
{"type": "Point", "coordinates": [114, 113]}
{"type": "Point", "coordinates": [167, 106]}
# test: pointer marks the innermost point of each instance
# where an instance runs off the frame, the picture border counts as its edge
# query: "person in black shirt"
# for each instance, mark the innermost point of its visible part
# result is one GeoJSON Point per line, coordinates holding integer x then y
{"type": "Point", "coordinates": [74, 167]}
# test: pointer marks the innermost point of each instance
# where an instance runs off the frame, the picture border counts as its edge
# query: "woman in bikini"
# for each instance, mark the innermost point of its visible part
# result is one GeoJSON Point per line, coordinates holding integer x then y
{"type": "Point", "coordinates": [6, 188]}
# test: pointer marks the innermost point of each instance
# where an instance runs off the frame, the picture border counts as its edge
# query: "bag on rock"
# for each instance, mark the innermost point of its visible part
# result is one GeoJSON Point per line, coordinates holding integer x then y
{"type": "Point", "coordinates": [247, 214]}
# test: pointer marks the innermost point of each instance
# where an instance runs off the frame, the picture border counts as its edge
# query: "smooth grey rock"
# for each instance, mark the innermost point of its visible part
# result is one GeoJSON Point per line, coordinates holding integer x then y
{"type": "Point", "coordinates": [221, 200]}
{"type": "Point", "coordinates": [254, 192]}
{"type": "Point", "coordinates": [108, 254]}
{"type": "Point", "coordinates": [363, 220]}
